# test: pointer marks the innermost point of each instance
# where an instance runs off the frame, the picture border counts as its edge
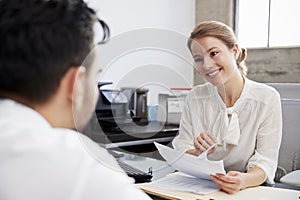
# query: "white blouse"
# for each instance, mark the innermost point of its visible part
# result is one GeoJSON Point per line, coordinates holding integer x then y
{"type": "Point", "coordinates": [40, 162]}
{"type": "Point", "coordinates": [248, 134]}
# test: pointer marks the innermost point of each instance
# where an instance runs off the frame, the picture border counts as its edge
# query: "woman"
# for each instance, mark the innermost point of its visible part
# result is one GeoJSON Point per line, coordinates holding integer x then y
{"type": "Point", "coordinates": [242, 117]}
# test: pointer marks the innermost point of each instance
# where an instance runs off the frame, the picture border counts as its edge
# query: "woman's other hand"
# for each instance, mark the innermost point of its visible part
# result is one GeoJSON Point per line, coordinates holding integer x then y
{"type": "Point", "coordinates": [202, 143]}
{"type": "Point", "coordinates": [234, 181]}
{"type": "Point", "coordinates": [231, 182]}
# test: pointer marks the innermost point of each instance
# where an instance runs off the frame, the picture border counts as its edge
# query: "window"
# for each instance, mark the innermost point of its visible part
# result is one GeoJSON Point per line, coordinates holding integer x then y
{"type": "Point", "coordinates": [268, 23]}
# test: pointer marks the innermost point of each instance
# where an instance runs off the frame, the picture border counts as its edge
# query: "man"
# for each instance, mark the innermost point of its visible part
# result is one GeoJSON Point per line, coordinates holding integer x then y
{"type": "Point", "coordinates": [43, 87]}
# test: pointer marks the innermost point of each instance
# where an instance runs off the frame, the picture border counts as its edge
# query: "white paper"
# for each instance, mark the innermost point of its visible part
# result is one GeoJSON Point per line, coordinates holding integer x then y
{"type": "Point", "coordinates": [199, 167]}
{"type": "Point", "coordinates": [187, 184]}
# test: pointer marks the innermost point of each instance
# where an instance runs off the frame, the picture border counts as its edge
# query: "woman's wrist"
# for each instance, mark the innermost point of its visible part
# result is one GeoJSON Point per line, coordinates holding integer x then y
{"type": "Point", "coordinates": [254, 177]}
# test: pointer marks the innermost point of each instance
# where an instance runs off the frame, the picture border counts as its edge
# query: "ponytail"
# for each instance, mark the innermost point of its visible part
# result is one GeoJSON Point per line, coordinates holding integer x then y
{"type": "Point", "coordinates": [241, 61]}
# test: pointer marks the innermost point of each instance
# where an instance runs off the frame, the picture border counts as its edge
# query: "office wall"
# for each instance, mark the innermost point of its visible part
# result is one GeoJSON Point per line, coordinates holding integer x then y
{"type": "Point", "coordinates": [148, 44]}
{"type": "Point", "coordinates": [281, 65]}
{"type": "Point", "coordinates": [219, 10]}
{"type": "Point", "coordinates": [265, 64]}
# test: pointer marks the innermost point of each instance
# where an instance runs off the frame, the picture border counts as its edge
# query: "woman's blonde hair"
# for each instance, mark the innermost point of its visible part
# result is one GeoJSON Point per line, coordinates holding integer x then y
{"type": "Point", "coordinates": [225, 34]}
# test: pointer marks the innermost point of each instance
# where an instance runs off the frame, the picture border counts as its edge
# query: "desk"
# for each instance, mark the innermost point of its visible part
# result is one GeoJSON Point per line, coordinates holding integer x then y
{"type": "Point", "coordinates": [255, 193]}
{"type": "Point", "coordinates": [161, 168]}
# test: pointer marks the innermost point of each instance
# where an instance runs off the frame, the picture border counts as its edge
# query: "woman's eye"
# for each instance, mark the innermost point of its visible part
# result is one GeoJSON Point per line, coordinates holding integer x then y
{"type": "Point", "coordinates": [198, 59]}
{"type": "Point", "coordinates": [213, 53]}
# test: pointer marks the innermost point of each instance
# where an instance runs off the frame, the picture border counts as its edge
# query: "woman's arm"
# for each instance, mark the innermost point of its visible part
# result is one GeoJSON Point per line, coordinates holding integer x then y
{"type": "Point", "coordinates": [268, 140]}
{"type": "Point", "coordinates": [234, 181]}
{"type": "Point", "coordinates": [262, 165]}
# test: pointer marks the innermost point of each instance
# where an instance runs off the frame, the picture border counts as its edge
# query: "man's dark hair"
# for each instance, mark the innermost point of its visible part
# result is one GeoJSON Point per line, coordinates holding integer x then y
{"type": "Point", "coordinates": [39, 41]}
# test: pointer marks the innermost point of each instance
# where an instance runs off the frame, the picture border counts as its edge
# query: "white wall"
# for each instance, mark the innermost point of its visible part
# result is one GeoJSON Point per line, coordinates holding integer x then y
{"type": "Point", "coordinates": [148, 43]}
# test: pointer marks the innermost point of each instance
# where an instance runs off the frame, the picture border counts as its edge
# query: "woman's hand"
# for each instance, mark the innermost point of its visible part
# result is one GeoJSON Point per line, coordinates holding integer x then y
{"type": "Point", "coordinates": [234, 181]}
{"type": "Point", "coordinates": [231, 182]}
{"type": "Point", "coordinates": [204, 141]}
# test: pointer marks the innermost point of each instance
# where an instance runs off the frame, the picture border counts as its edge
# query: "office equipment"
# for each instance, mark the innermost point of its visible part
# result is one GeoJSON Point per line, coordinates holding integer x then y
{"type": "Point", "coordinates": [112, 125]}
{"type": "Point", "coordinates": [138, 175]}
{"type": "Point", "coordinates": [132, 137]}
{"type": "Point", "coordinates": [112, 108]}
{"type": "Point", "coordinates": [170, 104]}
{"type": "Point", "coordinates": [137, 98]}
{"type": "Point", "coordinates": [121, 108]}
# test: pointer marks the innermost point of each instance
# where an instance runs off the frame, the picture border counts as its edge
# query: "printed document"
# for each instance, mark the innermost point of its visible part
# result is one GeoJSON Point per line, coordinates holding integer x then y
{"type": "Point", "coordinates": [199, 167]}
{"type": "Point", "coordinates": [185, 183]}
{"type": "Point", "coordinates": [196, 171]}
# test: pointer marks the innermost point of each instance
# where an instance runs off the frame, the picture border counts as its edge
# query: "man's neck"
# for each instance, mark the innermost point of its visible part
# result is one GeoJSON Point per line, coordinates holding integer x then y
{"type": "Point", "coordinates": [57, 112]}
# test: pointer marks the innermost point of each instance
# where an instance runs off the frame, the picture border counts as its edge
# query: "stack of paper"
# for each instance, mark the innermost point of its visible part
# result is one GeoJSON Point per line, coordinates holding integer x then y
{"type": "Point", "coordinates": [197, 170]}
{"type": "Point", "coordinates": [182, 182]}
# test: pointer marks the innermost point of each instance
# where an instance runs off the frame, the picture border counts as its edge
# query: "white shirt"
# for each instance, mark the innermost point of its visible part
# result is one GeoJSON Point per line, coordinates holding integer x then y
{"type": "Point", "coordinates": [250, 137]}
{"type": "Point", "coordinates": [38, 162]}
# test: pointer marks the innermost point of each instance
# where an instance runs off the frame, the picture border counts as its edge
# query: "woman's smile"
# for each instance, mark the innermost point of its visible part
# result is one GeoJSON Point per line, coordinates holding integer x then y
{"type": "Point", "coordinates": [214, 73]}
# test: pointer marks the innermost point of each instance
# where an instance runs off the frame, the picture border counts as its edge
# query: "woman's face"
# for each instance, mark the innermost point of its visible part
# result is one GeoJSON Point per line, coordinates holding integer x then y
{"type": "Point", "coordinates": [214, 61]}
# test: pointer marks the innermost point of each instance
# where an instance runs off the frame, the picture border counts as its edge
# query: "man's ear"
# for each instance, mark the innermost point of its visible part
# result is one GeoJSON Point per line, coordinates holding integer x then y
{"type": "Point", "coordinates": [76, 83]}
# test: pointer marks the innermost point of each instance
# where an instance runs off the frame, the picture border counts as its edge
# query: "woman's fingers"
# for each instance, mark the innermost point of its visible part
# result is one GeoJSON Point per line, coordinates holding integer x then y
{"type": "Point", "coordinates": [201, 143]}
{"type": "Point", "coordinates": [204, 141]}
{"type": "Point", "coordinates": [230, 183]}
{"type": "Point", "coordinates": [198, 145]}
{"type": "Point", "coordinates": [210, 139]}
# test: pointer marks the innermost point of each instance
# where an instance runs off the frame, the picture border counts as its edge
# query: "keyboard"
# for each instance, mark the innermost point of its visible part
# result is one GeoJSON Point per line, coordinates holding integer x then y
{"type": "Point", "coordinates": [138, 175]}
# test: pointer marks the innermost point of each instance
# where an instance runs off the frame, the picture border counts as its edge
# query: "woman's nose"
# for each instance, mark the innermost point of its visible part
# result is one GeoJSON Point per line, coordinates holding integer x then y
{"type": "Point", "coordinates": [208, 63]}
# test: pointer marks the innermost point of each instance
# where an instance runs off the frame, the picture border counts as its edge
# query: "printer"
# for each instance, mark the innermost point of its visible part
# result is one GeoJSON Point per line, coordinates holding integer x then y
{"type": "Point", "coordinates": [112, 107]}
{"type": "Point", "coordinates": [118, 108]}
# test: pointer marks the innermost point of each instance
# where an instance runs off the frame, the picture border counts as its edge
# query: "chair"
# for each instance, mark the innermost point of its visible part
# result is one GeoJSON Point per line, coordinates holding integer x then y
{"type": "Point", "coordinates": [287, 90]}
{"type": "Point", "coordinates": [290, 144]}
{"type": "Point", "coordinates": [289, 154]}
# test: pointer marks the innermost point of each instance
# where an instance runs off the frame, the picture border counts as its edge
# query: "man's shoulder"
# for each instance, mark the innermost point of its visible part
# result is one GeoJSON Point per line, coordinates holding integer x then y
{"type": "Point", "coordinates": [103, 167]}
{"type": "Point", "coordinates": [75, 141]}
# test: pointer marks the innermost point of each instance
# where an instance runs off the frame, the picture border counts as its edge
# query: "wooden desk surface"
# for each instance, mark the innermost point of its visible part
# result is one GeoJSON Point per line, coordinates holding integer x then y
{"type": "Point", "coordinates": [255, 193]}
